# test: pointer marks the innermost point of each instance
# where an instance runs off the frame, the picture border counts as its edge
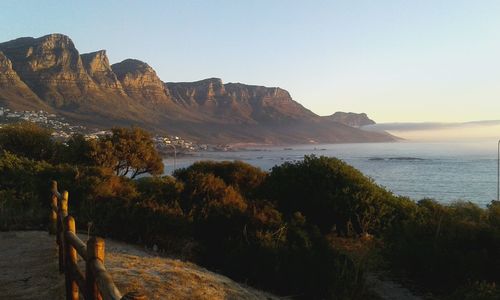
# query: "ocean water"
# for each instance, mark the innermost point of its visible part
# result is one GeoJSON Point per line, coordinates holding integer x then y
{"type": "Point", "coordinates": [447, 171]}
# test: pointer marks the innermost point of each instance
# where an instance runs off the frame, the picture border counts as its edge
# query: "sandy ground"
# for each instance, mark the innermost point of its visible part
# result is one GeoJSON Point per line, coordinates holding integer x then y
{"type": "Point", "coordinates": [388, 289]}
{"type": "Point", "coordinates": [28, 270]}
{"type": "Point", "coordinates": [28, 266]}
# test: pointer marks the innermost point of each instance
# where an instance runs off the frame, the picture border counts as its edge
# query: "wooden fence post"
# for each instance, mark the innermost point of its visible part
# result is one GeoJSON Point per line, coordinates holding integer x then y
{"type": "Point", "coordinates": [53, 215]}
{"type": "Point", "coordinates": [71, 261]}
{"type": "Point", "coordinates": [62, 213]}
{"type": "Point", "coordinates": [134, 296]}
{"type": "Point", "coordinates": [53, 204]}
{"type": "Point", "coordinates": [95, 250]}
{"type": "Point", "coordinates": [64, 204]}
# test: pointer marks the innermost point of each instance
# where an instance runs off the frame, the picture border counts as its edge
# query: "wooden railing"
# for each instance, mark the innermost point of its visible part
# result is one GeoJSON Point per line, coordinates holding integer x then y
{"type": "Point", "coordinates": [96, 283]}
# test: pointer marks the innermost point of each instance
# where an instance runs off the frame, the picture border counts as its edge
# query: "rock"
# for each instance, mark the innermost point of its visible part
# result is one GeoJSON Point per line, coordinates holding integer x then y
{"type": "Point", "coordinates": [140, 81]}
{"type": "Point", "coordinates": [51, 66]}
{"type": "Point", "coordinates": [15, 90]}
{"type": "Point", "coordinates": [351, 119]}
{"type": "Point", "coordinates": [98, 68]}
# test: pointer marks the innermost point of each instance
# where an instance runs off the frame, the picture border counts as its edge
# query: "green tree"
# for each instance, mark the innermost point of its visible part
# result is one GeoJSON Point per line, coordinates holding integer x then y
{"type": "Point", "coordinates": [79, 150]}
{"type": "Point", "coordinates": [330, 194]}
{"type": "Point", "coordinates": [28, 140]}
{"type": "Point", "coordinates": [128, 151]}
{"type": "Point", "coordinates": [243, 177]}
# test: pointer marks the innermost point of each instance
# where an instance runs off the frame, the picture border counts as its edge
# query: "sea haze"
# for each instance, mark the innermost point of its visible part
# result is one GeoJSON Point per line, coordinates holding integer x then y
{"type": "Point", "coordinates": [446, 171]}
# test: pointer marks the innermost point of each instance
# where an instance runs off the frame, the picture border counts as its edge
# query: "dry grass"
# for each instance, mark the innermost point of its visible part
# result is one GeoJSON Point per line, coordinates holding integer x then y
{"type": "Point", "coordinates": [28, 270]}
{"type": "Point", "coordinates": [28, 266]}
{"type": "Point", "coordinates": [133, 268]}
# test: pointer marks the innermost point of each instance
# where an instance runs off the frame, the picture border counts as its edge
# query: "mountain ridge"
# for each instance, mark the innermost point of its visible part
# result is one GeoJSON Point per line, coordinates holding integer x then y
{"type": "Point", "coordinates": [53, 75]}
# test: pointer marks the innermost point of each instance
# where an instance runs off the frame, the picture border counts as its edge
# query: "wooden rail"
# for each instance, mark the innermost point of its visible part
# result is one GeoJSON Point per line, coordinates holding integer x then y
{"type": "Point", "coordinates": [96, 283]}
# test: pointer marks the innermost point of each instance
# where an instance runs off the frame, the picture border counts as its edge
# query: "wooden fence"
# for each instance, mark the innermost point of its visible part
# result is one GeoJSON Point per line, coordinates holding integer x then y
{"type": "Point", "coordinates": [95, 283]}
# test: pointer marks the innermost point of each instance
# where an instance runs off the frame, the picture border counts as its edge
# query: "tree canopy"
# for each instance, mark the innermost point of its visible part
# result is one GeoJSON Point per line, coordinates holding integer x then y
{"type": "Point", "coordinates": [128, 152]}
{"type": "Point", "coordinates": [28, 140]}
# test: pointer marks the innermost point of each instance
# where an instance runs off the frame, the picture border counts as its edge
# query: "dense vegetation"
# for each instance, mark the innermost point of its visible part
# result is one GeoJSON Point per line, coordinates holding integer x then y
{"type": "Point", "coordinates": [275, 230]}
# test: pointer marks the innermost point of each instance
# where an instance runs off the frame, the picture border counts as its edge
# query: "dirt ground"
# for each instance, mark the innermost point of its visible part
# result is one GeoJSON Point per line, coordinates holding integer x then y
{"type": "Point", "coordinates": [389, 290]}
{"type": "Point", "coordinates": [28, 266]}
{"type": "Point", "coordinates": [28, 270]}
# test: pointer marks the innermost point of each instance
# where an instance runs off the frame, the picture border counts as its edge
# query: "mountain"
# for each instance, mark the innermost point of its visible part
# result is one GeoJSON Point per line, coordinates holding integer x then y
{"type": "Point", "coordinates": [49, 73]}
{"type": "Point", "coordinates": [351, 119]}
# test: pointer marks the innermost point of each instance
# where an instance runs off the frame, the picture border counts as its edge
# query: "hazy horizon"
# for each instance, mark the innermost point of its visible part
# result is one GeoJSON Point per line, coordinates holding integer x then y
{"type": "Point", "coordinates": [480, 131]}
{"type": "Point", "coordinates": [398, 62]}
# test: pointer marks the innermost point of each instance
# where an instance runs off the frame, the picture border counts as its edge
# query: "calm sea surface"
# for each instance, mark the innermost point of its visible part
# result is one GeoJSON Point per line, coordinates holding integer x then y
{"type": "Point", "coordinates": [443, 171]}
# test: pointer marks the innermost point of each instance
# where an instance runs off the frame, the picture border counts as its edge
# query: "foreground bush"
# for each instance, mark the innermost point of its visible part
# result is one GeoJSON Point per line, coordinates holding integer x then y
{"type": "Point", "coordinates": [332, 195]}
{"type": "Point", "coordinates": [446, 246]}
{"type": "Point", "coordinates": [28, 140]}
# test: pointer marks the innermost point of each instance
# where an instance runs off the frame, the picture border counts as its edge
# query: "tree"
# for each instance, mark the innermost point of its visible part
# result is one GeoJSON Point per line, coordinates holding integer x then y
{"type": "Point", "coordinates": [330, 194]}
{"type": "Point", "coordinates": [243, 177]}
{"type": "Point", "coordinates": [128, 152]}
{"type": "Point", "coordinates": [28, 140]}
{"type": "Point", "coordinates": [79, 150]}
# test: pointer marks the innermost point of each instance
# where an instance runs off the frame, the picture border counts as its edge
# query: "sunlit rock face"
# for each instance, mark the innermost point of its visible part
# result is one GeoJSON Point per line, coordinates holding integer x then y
{"type": "Point", "coordinates": [98, 68]}
{"type": "Point", "coordinates": [140, 81]}
{"type": "Point", "coordinates": [238, 102]}
{"type": "Point", "coordinates": [14, 90]}
{"type": "Point", "coordinates": [51, 66]}
{"type": "Point", "coordinates": [351, 119]}
{"type": "Point", "coordinates": [7, 74]}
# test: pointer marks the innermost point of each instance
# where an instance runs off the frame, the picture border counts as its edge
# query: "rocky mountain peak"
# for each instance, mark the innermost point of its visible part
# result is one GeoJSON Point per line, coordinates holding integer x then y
{"type": "Point", "coordinates": [140, 81]}
{"type": "Point", "coordinates": [96, 62]}
{"type": "Point", "coordinates": [5, 64]}
{"type": "Point", "coordinates": [351, 119]}
{"type": "Point", "coordinates": [97, 66]}
{"type": "Point", "coordinates": [133, 68]}
{"type": "Point", "coordinates": [51, 66]}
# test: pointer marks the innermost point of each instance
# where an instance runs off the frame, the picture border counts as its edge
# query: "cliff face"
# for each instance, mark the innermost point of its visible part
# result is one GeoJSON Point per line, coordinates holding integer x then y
{"type": "Point", "coordinates": [14, 89]}
{"type": "Point", "coordinates": [201, 93]}
{"type": "Point", "coordinates": [268, 104]}
{"type": "Point", "coordinates": [51, 66]}
{"type": "Point", "coordinates": [98, 68]}
{"type": "Point", "coordinates": [49, 73]}
{"type": "Point", "coordinates": [351, 119]}
{"type": "Point", "coordinates": [238, 102]}
{"type": "Point", "coordinates": [140, 81]}
{"type": "Point", "coordinates": [7, 75]}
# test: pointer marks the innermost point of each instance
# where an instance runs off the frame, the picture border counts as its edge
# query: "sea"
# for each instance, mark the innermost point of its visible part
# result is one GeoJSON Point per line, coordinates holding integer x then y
{"type": "Point", "coordinates": [444, 171]}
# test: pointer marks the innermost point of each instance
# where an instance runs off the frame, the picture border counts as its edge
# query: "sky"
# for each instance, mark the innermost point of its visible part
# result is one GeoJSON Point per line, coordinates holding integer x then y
{"type": "Point", "coordinates": [398, 61]}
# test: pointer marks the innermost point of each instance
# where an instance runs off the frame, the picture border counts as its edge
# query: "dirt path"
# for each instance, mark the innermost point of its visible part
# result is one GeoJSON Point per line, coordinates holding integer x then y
{"type": "Point", "coordinates": [28, 266]}
{"type": "Point", "coordinates": [388, 289]}
{"type": "Point", "coordinates": [28, 270]}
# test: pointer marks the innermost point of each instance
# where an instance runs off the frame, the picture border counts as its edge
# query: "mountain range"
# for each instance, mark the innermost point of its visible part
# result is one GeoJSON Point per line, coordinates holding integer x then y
{"type": "Point", "coordinates": [48, 73]}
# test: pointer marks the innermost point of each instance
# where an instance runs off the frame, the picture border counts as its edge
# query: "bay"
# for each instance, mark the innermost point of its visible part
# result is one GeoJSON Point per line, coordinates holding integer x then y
{"type": "Point", "coordinates": [447, 171]}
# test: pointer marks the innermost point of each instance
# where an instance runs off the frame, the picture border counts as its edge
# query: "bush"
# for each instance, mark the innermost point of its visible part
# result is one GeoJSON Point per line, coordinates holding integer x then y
{"type": "Point", "coordinates": [477, 291]}
{"type": "Point", "coordinates": [446, 246]}
{"type": "Point", "coordinates": [28, 140]}
{"type": "Point", "coordinates": [164, 190]}
{"type": "Point", "coordinates": [243, 177]}
{"type": "Point", "coordinates": [331, 195]}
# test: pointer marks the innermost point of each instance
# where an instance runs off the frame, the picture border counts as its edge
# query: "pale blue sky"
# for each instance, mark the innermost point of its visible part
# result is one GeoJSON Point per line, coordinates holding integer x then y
{"type": "Point", "coordinates": [396, 60]}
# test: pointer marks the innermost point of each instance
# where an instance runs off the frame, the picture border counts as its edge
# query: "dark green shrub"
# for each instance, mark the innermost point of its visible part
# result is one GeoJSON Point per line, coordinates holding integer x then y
{"type": "Point", "coordinates": [445, 246]}
{"type": "Point", "coordinates": [477, 291]}
{"type": "Point", "coordinates": [330, 194]}
{"type": "Point", "coordinates": [28, 140]}
{"type": "Point", "coordinates": [241, 176]}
